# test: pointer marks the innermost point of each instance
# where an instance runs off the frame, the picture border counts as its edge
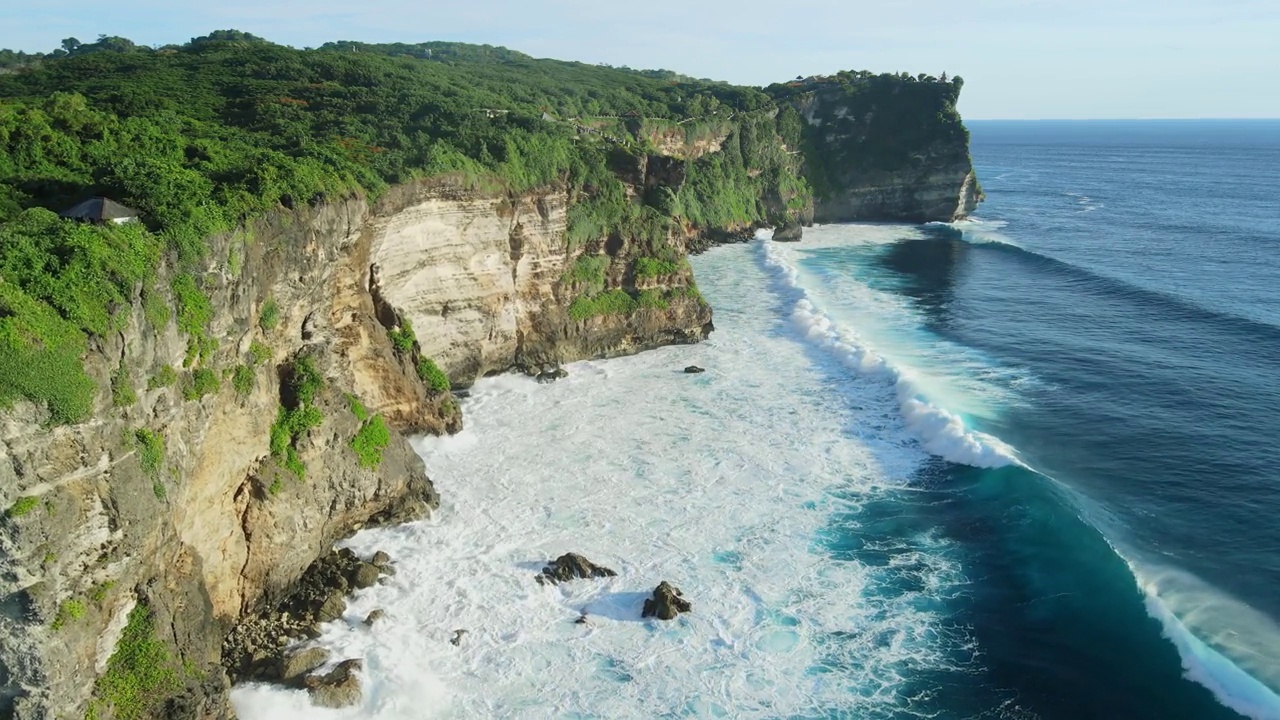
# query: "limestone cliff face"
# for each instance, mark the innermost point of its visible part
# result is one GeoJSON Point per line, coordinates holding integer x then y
{"type": "Point", "coordinates": [888, 158]}
{"type": "Point", "coordinates": [484, 280]}
{"type": "Point", "coordinates": [214, 525]}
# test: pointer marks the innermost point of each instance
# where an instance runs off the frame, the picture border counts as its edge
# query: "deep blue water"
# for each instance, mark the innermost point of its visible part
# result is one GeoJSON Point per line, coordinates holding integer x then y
{"type": "Point", "coordinates": [1122, 285]}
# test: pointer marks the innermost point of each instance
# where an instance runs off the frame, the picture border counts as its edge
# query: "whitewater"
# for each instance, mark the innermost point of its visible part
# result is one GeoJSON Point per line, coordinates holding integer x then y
{"type": "Point", "coordinates": [723, 484]}
{"type": "Point", "coordinates": [746, 487]}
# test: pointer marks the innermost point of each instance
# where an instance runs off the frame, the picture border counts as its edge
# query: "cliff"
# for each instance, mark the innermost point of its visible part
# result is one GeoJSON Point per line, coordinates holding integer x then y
{"type": "Point", "coordinates": [885, 148]}
{"type": "Point", "coordinates": [178, 505]}
{"type": "Point", "coordinates": [196, 408]}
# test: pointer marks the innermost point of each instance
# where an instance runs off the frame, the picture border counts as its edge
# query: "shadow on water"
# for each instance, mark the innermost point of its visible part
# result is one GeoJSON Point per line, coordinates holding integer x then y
{"type": "Point", "coordinates": [1042, 619]}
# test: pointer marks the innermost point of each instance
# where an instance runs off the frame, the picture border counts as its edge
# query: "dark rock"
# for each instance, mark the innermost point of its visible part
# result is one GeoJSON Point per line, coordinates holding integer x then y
{"type": "Point", "coordinates": [692, 369]}
{"type": "Point", "coordinates": [374, 617]}
{"type": "Point", "coordinates": [337, 688]}
{"type": "Point", "coordinates": [456, 640]}
{"type": "Point", "coordinates": [788, 232]}
{"type": "Point", "coordinates": [366, 575]}
{"type": "Point", "coordinates": [552, 374]}
{"type": "Point", "coordinates": [571, 566]}
{"type": "Point", "coordinates": [582, 619]}
{"type": "Point", "coordinates": [666, 602]}
{"type": "Point", "coordinates": [333, 607]}
{"type": "Point", "coordinates": [381, 560]}
{"type": "Point", "coordinates": [296, 664]}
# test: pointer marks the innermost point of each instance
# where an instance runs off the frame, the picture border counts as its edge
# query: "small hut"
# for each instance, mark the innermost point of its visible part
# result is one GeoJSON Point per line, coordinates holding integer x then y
{"type": "Point", "coordinates": [101, 210]}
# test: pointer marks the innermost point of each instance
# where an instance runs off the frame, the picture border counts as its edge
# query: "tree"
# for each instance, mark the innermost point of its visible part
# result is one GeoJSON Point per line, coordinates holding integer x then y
{"type": "Point", "coordinates": [70, 44]}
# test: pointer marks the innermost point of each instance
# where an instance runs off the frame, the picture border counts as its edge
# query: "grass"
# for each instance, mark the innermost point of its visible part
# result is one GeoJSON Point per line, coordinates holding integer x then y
{"type": "Point", "coordinates": [150, 450]}
{"type": "Point", "coordinates": [260, 352]}
{"type": "Point", "coordinates": [432, 375]}
{"type": "Point", "coordinates": [647, 267]}
{"type": "Point", "coordinates": [165, 377]}
{"type": "Point", "coordinates": [270, 316]}
{"type": "Point", "coordinates": [588, 272]}
{"type": "Point", "coordinates": [69, 611]}
{"type": "Point", "coordinates": [242, 380]}
{"type": "Point", "coordinates": [202, 382]}
{"type": "Point", "coordinates": [370, 441]}
{"type": "Point", "coordinates": [613, 302]}
{"type": "Point", "coordinates": [140, 674]}
{"type": "Point", "coordinates": [22, 506]}
{"type": "Point", "coordinates": [305, 381]}
{"type": "Point", "coordinates": [652, 299]}
{"type": "Point", "coordinates": [357, 408]}
{"type": "Point", "coordinates": [194, 314]}
{"type": "Point", "coordinates": [402, 338]}
{"type": "Point", "coordinates": [122, 392]}
{"type": "Point", "coordinates": [99, 591]}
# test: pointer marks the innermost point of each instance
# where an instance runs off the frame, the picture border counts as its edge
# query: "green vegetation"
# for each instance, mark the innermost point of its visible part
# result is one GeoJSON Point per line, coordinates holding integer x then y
{"type": "Point", "coordinates": [242, 379]}
{"type": "Point", "coordinates": [140, 674]}
{"type": "Point", "coordinates": [69, 611]}
{"type": "Point", "coordinates": [259, 352]}
{"type": "Point", "coordinates": [432, 375]}
{"type": "Point", "coordinates": [122, 392]}
{"type": "Point", "coordinates": [200, 383]}
{"type": "Point", "coordinates": [297, 415]}
{"type": "Point", "coordinates": [652, 299]}
{"type": "Point", "coordinates": [647, 267]}
{"type": "Point", "coordinates": [402, 338]}
{"type": "Point", "coordinates": [613, 302]}
{"type": "Point", "coordinates": [357, 408]}
{"type": "Point", "coordinates": [165, 377]}
{"type": "Point", "coordinates": [588, 273]}
{"type": "Point", "coordinates": [203, 137]}
{"type": "Point", "coordinates": [370, 441]}
{"type": "Point", "coordinates": [22, 506]}
{"type": "Point", "coordinates": [270, 316]}
{"type": "Point", "coordinates": [99, 591]}
{"type": "Point", "coordinates": [150, 450]}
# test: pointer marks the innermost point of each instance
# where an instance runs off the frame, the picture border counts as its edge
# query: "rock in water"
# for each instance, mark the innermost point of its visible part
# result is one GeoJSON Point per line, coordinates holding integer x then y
{"type": "Point", "coordinates": [694, 369]}
{"type": "Point", "coordinates": [552, 374]}
{"type": "Point", "coordinates": [666, 602]}
{"type": "Point", "coordinates": [337, 688]}
{"type": "Point", "coordinates": [571, 566]}
{"type": "Point", "coordinates": [456, 640]}
{"type": "Point", "coordinates": [788, 232]}
{"type": "Point", "coordinates": [366, 575]}
{"type": "Point", "coordinates": [374, 617]}
{"type": "Point", "coordinates": [381, 560]}
{"type": "Point", "coordinates": [299, 663]}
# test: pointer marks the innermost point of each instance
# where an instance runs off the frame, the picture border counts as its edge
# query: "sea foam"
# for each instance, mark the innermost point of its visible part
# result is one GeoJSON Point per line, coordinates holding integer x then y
{"type": "Point", "coordinates": [939, 431]}
{"type": "Point", "coordinates": [722, 483]}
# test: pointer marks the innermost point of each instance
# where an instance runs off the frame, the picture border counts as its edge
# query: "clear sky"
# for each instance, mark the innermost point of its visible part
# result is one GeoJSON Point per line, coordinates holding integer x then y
{"type": "Point", "coordinates": [1019, 58]}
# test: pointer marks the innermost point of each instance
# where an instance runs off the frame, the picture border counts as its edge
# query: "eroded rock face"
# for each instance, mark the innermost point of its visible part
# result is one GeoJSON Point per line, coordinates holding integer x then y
{"type": "Point", "coordinates": [337, 688]}
{"type": "Point", "coordinates": [666, 603]}
{"type": "Point", "coordinates": [788, 232]}
{"type": "Point", "coordinates": [572, 566]}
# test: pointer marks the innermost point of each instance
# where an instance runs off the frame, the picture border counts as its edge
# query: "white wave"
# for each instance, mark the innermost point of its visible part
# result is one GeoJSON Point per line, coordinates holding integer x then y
{"type": "Point", "coordinates": [718, 482]}
{"type": "Point", "coordinates": [1225, 645]}
{"type": "Point", "coordinates": [939, 431]}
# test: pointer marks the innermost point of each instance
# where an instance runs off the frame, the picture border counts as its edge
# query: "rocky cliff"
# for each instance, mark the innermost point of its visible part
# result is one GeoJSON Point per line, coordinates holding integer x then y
{"type": "Point", "coordinates": [886, 148]}
{"type": "Point", "coordinates": [198, 494]}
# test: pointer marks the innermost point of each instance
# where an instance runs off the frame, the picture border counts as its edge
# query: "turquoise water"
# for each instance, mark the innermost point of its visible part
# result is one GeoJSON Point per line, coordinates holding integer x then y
{"type": "Point", "coordinates": [1020, 467]}
{"type": "Point", "coordinates": [1111, 317]}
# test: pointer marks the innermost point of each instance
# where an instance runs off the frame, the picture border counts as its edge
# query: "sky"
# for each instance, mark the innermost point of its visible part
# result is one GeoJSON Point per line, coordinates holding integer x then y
{"type": "Point", "coordinates": [1020, 59]}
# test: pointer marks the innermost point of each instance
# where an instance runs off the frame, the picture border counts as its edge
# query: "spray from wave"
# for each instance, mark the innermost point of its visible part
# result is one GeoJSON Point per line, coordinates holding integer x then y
{"type": "Point", "coordinates": [939, 431]}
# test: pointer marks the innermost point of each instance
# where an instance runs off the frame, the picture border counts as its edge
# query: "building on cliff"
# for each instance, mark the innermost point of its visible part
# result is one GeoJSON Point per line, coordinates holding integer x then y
{"type": "Point", "coordinates": [100, 210]}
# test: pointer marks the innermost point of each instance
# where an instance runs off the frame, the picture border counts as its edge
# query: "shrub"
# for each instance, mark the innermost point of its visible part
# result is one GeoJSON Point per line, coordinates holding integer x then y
{"type": "Point", "coordinates": [69, 611]}
{"type": "Point", "coordinates": [165, 377]}
{"type": "Point", "coordinates": [652, 299]}
{"type": "Point", "coordinates": [259, 352]}
{"type": "Point", "coordinates": [647, 267]}
{"type": "Point", "coordinates": [140, 673]}
{"type": "Point", "coordinates": [588, 272]}
{"type": "Point", "coordinates": [22, 506]}
{"type": "Point", "coordinates": [432, 375]}
{"type": "Point", "coordinates": [369, 442]}
{"type": "Point", "coordinates": [150, 450]}
{"type": "Point", "coordinates": [357, 408]}
{"type": "Point", "coordinates": [402, 338]}
{"type": "Point", "coordinates": [122, 392]}
{"type": "Point", "coordinates": [202, 382]}
{"type": "Point", "coordinates": [613, 302]}
{"type": "Point", "coordinates": [270, 315]}
{"type": "Point", "coordinates": [242, 379]}
{"type": "Point", "coordinates": [99, 592]}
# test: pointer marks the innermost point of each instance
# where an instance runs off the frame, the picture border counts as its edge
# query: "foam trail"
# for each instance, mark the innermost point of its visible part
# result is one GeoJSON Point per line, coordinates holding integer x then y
{"type": "Point", "coordinates": [1231, 665]}
{"type": "Point", "coordinates": [939, 431]}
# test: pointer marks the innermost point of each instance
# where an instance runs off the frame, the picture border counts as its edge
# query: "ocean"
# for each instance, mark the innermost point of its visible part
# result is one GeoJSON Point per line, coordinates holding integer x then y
{"type": "Point", "coordinates": [1020, 466]}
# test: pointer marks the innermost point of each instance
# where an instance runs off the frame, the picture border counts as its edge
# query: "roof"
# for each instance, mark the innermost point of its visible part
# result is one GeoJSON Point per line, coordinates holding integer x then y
{"type": "Point", "coordinates": [99, 208]}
